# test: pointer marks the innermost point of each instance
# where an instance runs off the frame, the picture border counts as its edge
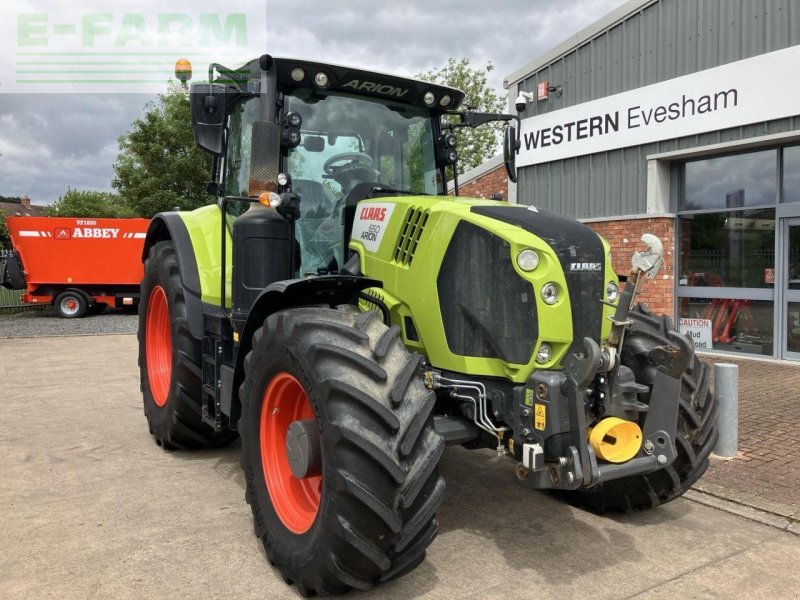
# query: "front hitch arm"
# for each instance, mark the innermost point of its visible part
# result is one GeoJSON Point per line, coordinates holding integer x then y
{"type": "Point", "coordinates": [580, 369]}
{"type": "Point", "coordinates": [643, 263]}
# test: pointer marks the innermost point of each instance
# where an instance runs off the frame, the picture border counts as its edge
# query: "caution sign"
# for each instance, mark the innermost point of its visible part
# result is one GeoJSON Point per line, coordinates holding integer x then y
{"type": "Point", "coordinates": [63, 234]}
{"type": "Point", "coordinates": [539, 416]}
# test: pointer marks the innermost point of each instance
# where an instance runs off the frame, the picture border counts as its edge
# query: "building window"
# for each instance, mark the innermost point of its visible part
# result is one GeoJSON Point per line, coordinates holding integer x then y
{"type": "Point", "coordinates": [729, 324]}
{"type": "Point", "coordinates": [731, 181]}
{"type": "Point", "coordinates": [726, 250]}
{"type": "Point", "coordinates": [791, 174]}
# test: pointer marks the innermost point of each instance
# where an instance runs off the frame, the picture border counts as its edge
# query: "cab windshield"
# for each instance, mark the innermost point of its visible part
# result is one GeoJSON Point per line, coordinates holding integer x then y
{"type": "Point", "coordinates": [349, 146]}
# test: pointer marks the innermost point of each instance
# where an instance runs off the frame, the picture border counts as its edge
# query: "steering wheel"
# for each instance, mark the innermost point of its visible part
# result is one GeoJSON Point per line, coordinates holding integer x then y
{"type": "Point", "coordinates": [357, 159]}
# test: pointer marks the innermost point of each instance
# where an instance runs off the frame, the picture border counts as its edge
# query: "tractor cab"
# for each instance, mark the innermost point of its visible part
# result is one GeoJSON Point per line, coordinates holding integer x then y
{"type": "Point", "coordinates": [326, 134]}
{"type": "Point", "coordinates": [324, 137]}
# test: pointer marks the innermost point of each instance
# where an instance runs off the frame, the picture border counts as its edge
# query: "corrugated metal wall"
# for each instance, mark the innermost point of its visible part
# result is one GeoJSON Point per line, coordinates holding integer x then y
{"type": "Point", "coordinates": [666, 39]}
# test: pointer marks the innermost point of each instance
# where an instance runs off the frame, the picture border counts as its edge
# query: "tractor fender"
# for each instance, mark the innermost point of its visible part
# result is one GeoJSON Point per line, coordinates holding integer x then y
{"type": "Point", "coordinates": [170, 226]}
{"type": "Point", "coordinates": [331, 290]}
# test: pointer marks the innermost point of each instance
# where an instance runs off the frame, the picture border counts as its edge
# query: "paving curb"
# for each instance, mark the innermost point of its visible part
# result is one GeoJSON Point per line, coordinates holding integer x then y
{"type": "Point", "coordinates": [63, 335]}
{"type": "Point", "coordinates": [743, 510]}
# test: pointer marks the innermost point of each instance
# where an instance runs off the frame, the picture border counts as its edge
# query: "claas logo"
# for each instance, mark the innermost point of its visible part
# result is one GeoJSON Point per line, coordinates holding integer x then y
{"type": "Point", "coordinates": [63, 234]}
{"type": "Point", "coordinates": [373, 213]}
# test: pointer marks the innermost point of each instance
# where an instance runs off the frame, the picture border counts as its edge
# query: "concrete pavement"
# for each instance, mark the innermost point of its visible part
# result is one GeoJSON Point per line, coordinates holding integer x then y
{"type": "Point", "coordinates": [91, 508]}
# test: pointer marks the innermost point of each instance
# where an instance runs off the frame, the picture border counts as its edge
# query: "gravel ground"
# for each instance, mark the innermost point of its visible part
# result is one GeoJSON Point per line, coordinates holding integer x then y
{"type": "Point", "coordinates": [42, 323]}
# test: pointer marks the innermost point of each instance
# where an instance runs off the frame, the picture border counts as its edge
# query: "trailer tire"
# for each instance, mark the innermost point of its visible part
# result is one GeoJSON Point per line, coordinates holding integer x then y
{"type": "Point", "coordinates": [170, 358]}
{"type": "Point", "coordinates": [71, 304]}
{"type": "Point", "coordinates": [369, 511]}
{"type": "Point", "coordinates": [696, 433]}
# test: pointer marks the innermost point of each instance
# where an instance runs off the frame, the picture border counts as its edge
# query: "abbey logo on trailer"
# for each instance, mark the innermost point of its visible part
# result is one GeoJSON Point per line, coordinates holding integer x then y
{"type": "Point", "coordinates": [104, 233]}
{"type": "Point", "coordinates": [95, 232]}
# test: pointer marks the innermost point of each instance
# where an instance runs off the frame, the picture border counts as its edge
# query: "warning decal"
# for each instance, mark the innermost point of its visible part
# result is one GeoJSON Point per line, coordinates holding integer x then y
{"type": "Point", "coordinates": [539, 416]}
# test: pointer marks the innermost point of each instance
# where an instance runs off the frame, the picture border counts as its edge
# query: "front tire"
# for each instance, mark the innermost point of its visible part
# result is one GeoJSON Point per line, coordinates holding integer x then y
{"type": "Point", "coordinates": [695, 436]}
{"type": "Point", "coordinates": [368, 513]}
{"type": "Point", "coordinates": [170, 358]}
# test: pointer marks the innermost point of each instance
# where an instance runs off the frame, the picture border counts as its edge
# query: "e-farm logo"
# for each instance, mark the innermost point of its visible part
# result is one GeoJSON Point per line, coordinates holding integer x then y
{"type": "Point", "coordinates": [121, 50]}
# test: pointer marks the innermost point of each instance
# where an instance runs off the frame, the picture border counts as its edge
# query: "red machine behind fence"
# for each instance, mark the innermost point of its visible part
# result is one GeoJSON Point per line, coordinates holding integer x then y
{"type": "Point", "coordinates": [79, 265]}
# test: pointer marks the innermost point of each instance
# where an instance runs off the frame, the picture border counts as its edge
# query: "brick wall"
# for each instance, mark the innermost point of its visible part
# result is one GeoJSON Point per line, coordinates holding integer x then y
{"type": "Point", "coordinates": [625, 238]}
{"type": "Point", "coordinates": [491, 183]}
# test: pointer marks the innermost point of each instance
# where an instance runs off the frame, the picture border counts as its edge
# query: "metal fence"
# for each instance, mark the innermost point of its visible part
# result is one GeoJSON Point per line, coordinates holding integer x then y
{"type": "Point", "coordinates": [746, 268]}
{"type": "Point", "coordinates": [11, 300]}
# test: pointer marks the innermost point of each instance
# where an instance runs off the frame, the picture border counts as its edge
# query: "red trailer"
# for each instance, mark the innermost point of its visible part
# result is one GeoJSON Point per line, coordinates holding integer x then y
{"type": "Point", "coordinates": [79, 265]}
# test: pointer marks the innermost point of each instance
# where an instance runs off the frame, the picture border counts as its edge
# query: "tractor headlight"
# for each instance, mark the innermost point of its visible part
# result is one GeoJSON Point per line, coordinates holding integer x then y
{"type": "Point", "coordinates": [612, 291]}
{"type": "Point", "coordinates": [527, 260]}
{"type": "Point", "coordinates": [321, 79]}
{"type": "Point", "coordinates": [544, 354]}
{"type": "Point", "coordinates": [550, 293]}
{"type": "Point", "coordinates": [429, 98]}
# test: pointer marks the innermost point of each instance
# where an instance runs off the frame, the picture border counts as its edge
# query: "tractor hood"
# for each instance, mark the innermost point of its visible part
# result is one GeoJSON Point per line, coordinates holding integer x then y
{"type": "Point", "coordinates": [461, 256]}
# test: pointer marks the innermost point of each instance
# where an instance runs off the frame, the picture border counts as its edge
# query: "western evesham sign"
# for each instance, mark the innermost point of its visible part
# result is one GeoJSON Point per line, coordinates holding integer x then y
{"type": "Point", "coordinates": [753, 90]}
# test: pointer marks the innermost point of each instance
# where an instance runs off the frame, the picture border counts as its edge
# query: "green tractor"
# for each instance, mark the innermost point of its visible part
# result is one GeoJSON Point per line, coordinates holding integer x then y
{"type": "Point", "coordinates": [346, 318]}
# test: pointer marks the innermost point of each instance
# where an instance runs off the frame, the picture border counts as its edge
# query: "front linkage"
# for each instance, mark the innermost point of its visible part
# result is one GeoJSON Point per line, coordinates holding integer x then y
{"type": "Point", "coordinates": [597, 394]}
{"type": "Point", "coordinates": [581, 468]}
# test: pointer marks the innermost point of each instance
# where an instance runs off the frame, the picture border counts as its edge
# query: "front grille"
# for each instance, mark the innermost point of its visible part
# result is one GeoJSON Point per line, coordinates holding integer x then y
{"type": "Point", "coordinates": [410, 235]}
{"type": "Point", "coordinates": [572, 242]}
{"type": "Point", "coordinates": [488, 310]}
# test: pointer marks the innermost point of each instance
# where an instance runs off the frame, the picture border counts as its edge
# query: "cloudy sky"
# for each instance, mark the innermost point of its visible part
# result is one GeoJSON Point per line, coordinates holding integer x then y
{"type": "Point", "coordinates": [49, 141]}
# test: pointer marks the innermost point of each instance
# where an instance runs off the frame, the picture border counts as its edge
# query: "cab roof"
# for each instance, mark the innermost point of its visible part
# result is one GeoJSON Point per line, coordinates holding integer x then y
{"type": "Point", "coordinates": [350, 80]}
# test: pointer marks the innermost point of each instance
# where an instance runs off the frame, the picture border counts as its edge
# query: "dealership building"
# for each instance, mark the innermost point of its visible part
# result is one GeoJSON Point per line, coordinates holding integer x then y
{"type": "Point", "coordinates": [680, 118]}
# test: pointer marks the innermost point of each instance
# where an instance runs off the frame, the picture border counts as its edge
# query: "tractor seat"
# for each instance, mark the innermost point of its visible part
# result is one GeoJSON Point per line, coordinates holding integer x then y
{"type": "Point", "coordinates": [316, 201]}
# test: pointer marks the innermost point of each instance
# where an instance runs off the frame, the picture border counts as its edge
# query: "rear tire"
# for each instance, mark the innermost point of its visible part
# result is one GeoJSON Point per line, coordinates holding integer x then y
{"type": "Point", "coordinates": [71, 304]}
{"type": "Point", "coordinates": [170, 358]}
{"type": "Point", "coordinates": [374, 515]}
{"type": "Point", "coordinates": [696, 432]}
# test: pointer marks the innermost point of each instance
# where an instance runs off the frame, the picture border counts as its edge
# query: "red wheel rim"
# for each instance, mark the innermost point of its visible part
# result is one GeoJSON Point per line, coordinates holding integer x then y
{"type": "Point", "coordinates": [295, 500]}
{"type": "Point", "coordinates": [158, 345]}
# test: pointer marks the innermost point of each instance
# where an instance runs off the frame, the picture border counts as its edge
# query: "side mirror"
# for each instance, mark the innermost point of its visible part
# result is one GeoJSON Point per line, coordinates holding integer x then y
{"type": "Point", "coordinates": [208, 105]}
{"type": "Point", "coordinates": [510, 147]}
{"type": "Point", "coordinates": [314, 143]}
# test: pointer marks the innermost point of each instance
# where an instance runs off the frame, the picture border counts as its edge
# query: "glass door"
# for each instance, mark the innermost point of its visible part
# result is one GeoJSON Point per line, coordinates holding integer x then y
{"type": "Point", "coordinates": [791, 288]}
